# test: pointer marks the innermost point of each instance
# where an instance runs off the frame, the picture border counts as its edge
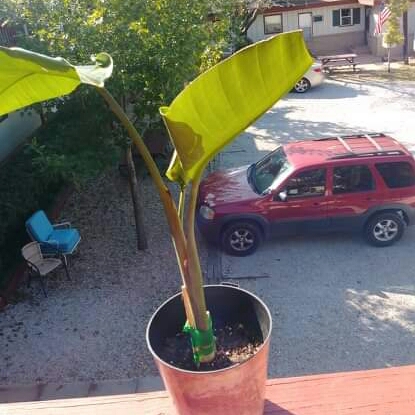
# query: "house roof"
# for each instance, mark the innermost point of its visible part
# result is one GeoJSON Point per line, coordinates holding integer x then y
{"type": "Point", "coordinates": [286, 5]}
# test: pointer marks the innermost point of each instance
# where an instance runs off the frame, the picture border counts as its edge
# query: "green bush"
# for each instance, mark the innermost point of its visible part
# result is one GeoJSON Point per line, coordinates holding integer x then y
{"type": "Point", "coordinates": [23, 190]}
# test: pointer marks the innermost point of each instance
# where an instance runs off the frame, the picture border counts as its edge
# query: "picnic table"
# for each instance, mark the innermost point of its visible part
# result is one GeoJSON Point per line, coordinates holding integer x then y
{"type": "Point", "coordinates": [343, 60]}
{"type": "Point", "coordinates": [388, 391]}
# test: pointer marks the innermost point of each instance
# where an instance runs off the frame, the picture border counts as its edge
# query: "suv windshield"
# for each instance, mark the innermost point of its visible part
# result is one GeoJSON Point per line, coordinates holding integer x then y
{"type": "Point", "coordinates": [268, 172]}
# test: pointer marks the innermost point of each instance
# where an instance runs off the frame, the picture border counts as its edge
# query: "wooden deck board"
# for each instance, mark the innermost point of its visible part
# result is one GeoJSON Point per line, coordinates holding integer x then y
{"type": "Point", "coordinates": [374, 392]}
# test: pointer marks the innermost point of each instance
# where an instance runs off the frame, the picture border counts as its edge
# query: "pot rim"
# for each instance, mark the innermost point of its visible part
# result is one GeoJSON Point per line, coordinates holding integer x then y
{"type": "Point", "coordinates": [236, 365]}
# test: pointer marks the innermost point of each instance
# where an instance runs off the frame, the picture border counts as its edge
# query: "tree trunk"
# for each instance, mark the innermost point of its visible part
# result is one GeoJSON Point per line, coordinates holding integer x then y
{"type": "Point", "coordinates": [389, 59]}
{"type": "Point", "coordinates": [135, 196]}
{"type": "Point", "coordinates": [405, 38]}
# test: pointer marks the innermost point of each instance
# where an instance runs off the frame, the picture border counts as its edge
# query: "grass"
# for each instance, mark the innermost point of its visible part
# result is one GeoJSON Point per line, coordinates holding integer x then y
{"type": "Point", "coordinates": [378, 73]}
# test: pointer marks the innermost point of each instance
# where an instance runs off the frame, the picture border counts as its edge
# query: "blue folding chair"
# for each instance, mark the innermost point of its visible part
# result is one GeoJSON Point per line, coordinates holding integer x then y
{"type": "Point", "coordinates": [54, 239]}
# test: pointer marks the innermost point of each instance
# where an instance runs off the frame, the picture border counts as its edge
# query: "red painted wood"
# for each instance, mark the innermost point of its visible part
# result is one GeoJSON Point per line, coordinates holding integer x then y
{"type": "Point", "coordinates": [373, 392]}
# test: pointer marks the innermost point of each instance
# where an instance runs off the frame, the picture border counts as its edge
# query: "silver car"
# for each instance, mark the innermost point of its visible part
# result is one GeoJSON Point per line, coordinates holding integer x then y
{"type": "Point", "coordinates": [313, 77]}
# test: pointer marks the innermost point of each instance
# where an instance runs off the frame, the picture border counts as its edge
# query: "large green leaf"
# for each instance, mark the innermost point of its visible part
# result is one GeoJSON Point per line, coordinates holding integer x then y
{"type": "Point", "coordinates": [27, 77]}
{"type": "Point", "coordinates": [226, 99]}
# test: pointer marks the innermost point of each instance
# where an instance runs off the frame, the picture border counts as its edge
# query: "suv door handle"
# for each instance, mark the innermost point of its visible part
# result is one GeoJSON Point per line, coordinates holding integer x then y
{"type": "Point", "coordinates": [316, 204]}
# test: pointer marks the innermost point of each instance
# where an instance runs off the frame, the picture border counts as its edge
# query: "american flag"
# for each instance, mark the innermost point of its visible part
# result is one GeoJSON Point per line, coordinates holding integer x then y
{"type": "Point", "coordinates": [384, 14]}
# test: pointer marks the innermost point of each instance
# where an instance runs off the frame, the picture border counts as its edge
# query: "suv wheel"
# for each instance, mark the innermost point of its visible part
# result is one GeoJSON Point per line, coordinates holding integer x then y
{"type": "Point", "coordinates": [303, 85]}
{"type": "Point", "coordinates": [241, 238]}
{"type": "Point", "coordinates": [385, 229]}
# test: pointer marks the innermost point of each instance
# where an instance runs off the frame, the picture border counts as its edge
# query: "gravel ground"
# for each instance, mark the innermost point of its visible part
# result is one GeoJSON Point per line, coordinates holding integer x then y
{"type": "Point", "coordinates": [93, 328]}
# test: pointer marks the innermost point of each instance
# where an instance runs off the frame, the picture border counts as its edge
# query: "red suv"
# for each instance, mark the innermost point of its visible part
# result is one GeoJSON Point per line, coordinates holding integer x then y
{"type": "Point", "coordinates": [360, 182]}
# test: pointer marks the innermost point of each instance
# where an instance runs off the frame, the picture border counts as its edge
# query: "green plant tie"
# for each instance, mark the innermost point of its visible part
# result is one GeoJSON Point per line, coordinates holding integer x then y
{"type": "Point", "coordinates": [203, 341]}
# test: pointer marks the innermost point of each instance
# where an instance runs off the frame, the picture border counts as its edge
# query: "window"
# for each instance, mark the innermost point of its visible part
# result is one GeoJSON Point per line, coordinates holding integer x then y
{"type": "Point", "coordinates": [356, 15]}
{"type": "Point", "coordinates": [350, 179]}
{"type": "Point", "coordinates": [346, 17]}
{"type": "Point", "coordinates": [317, 19]}
{"type": "Point", "coordinates": [308, 183]}
{"type": "Point", "coordinates": [273, 24]}
{"type": "Point", "coordinates": [269, 171]}
{"type": "Point", "coordinates": [398, 174]}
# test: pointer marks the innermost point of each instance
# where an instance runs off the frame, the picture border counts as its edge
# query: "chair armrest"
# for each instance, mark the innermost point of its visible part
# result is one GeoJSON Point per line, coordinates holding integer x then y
{"type": "Point", "coordinates": [61, 225]}
{"type": "Point", "coordinates": [32, 266]}
{"type": "Point", "coordinates": [50, 244]}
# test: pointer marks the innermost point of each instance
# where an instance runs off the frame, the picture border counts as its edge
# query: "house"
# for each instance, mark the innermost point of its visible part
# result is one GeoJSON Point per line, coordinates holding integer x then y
{"type": "Point", "coordinates": [328, 25]}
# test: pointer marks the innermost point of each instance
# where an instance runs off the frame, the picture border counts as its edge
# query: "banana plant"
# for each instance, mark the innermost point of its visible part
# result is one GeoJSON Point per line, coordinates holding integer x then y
{"type": "Point", "coordinates": [207, 115]}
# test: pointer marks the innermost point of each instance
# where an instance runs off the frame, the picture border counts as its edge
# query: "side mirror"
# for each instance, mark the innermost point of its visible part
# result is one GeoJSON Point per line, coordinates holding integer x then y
{"type": "Point", "coordinates": [282, 196]}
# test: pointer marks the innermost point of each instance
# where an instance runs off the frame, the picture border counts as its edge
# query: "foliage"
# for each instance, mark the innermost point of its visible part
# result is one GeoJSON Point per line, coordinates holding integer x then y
{"type": "Point", "coordinates": [72, 145]}
{"type": "Point", "coordinates": [239, 15]}
{"type": "Point", "coordinates": [24, 189]}
{"type": "Point", "coordinates": [157, 45]}
{"type": "Point", "coordinates": [394, 36]}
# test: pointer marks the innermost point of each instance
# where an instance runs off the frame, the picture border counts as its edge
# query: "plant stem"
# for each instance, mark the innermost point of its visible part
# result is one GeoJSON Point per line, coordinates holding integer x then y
{"type": "Point", "coordinates": [182, 200]}
{"type": "Point", "coordinates": [192, 282]}
{"type": "Point", "coordinates": [193, 255]}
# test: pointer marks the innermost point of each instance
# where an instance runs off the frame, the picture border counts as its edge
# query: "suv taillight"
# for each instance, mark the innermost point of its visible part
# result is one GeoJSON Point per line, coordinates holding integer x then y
{"type": "Point", "coordinates": [317, 70]}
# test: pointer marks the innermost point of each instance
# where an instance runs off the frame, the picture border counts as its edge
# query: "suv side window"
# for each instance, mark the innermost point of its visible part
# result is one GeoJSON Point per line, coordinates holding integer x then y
{"type": "Point", "coordinates": [307, 183]}
{"type": "Point", "coordinates": [350, 179]}
{"type": "Point", "coordinates": [397, 174]}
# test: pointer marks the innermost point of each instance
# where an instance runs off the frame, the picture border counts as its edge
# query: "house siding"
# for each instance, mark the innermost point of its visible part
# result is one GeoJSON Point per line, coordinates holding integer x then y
{"type": "Point", "coordinates": [325, 37]}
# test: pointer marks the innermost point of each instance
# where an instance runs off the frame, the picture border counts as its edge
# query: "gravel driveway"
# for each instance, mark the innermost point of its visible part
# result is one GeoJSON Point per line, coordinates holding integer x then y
{"type": "Point", "coordinates": [93, 328]}
{"type": "Point", "coordinates": [337, 303]}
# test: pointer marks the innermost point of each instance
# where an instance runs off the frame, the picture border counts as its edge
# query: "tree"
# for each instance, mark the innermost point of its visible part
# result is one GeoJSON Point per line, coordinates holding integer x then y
{"type": "Point", "coordinates": [240, 14]}
{"type": "Point", "coordinates": [394, 36]}
{"type": "Point", "coordinates": [157, 51]}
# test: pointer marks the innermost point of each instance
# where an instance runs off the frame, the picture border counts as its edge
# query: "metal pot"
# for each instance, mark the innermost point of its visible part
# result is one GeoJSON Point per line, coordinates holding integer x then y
{"type": "Point", "coordinates": [239, 389]}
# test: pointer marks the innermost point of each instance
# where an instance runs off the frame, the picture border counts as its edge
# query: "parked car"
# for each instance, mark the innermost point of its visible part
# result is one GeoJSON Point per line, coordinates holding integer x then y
{"type": "Point", "coordinates": [313, 77]}
{"type": "Point", "coordinates": [360, 182]}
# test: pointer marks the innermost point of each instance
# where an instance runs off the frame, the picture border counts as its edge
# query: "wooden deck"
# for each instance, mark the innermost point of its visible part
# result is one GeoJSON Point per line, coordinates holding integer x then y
{"type": "Point", "coordinates": [375, 392]}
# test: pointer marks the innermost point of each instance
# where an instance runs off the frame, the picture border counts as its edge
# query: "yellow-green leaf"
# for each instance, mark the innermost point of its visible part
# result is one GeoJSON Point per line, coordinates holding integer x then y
{"type": "Point", "coordinates": [27, 77]}
{"type": "Point", "coordinates": [222, 102]}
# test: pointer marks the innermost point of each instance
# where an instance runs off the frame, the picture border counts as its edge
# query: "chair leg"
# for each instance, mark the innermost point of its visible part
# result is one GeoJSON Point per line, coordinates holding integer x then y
{"type": "Point", "coordinates": [29, 278]}
{"type": "Point", "coordinates": [43, 286]}
{"type": "Point", "coordinates": [65, 265]}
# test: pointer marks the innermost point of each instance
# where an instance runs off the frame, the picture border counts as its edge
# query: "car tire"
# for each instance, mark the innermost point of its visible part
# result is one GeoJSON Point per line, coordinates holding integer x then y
{"type": "Point", "coordinates": [385, 229]}
{"type": "Point", "coordinates": [303, 85]}
{"type": "Point", "coordinates": [241, 238]}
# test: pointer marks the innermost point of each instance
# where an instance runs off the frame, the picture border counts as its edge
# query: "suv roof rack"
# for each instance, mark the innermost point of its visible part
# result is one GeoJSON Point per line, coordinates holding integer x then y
{"type": "Point", "coordinates": [371, 137]}
{"type": "Point", "coordinates": [372, 154]}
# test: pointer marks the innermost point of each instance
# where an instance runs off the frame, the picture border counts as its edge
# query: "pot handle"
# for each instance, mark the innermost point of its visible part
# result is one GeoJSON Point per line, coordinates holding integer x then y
{"type": "Point", "coordinates": [230, 284]}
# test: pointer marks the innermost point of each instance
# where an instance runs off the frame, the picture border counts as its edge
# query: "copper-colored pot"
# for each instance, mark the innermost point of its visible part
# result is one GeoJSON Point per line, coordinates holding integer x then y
{"type": "Point", "coordinates": [239, 389]}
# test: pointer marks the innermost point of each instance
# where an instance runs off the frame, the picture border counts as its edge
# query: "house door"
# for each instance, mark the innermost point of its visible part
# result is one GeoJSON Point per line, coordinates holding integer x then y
{"type": "Point", "coordinates": [305, 22]}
